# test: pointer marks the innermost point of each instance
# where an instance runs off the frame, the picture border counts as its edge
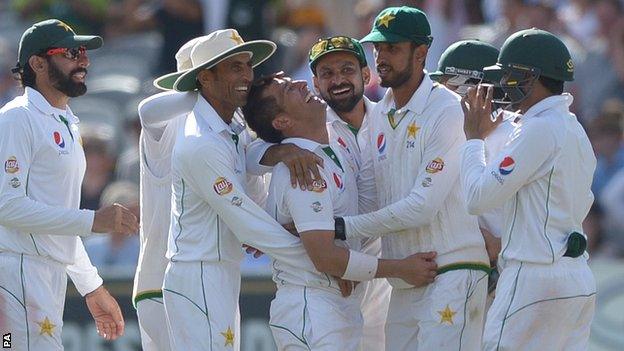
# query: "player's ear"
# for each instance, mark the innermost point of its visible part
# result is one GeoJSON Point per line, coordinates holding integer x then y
{"type": "Point", "coordinates": [366, 75]}
{"type": "Point", "coordinates": [37, 63]}
{"type": "Point", "coordinates": [205, 77]}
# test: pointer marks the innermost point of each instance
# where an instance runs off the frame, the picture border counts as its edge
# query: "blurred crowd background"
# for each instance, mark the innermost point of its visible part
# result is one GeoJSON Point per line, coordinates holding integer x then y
{"type": "Point", "coordinates": [142, 36]}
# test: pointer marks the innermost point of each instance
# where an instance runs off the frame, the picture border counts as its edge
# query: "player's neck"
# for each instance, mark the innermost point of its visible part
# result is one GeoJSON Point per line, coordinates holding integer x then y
{"type": "Point", "coordinates": [53, 96]}
{"type": "Point", "coordinates": [224, 109]}
{"type": "Point", "coordinates": [355, 116]}
{"type": "Point", "coordinates": [402, 94]}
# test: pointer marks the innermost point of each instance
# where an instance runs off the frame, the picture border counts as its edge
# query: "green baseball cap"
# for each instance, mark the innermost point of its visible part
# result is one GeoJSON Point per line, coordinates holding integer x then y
{"type": "Point", "coordinates": [397, 24]}
{"type": "Point", "coordinates": [52, 33]}
{"type": "Point", "coordinates": [466, 57]}
{"type": "Point", "coordinates": [533, 48]}
{"type": "Point", "coordinates": [333, 44]}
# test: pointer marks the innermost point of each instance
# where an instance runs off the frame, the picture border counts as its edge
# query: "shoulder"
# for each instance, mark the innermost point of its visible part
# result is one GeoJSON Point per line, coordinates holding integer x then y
{"type": "Point", "coordinates": [15, 114]}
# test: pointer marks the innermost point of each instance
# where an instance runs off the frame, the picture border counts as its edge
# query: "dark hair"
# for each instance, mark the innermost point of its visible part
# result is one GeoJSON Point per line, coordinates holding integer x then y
{"type": "Point", "coordinates": [26, 75]}
{"type": "Point", "coordinates": [552, 85]}
{"type": "Point", "coordinates": [259, 112]}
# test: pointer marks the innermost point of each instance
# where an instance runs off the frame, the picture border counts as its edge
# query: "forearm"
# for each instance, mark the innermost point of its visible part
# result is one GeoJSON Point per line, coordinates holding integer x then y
{"type": "Point", "coordinates": [157, 110]}
{"type": "Point", "coordinates": [82, 273]}
{"type": "Point", "coordinates": [27, 215]}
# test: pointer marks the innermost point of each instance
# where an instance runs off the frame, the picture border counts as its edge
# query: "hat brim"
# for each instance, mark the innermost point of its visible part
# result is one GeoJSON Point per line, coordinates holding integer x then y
{"type": "Point", "coordinates": [165, 82]}
{"type": "Point", "coordinates": [90, 42]}
{"type": "Point", "coordinates": [435, 76]}
{"type": "Point", "coordinates": [493, 74]}
{"type": "Point", "coordinates": [376, 36]}
{"type": "Point", "coordinates": [260, 50]}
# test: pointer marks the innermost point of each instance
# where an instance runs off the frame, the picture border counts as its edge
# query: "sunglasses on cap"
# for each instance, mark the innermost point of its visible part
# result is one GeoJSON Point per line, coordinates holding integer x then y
{"type": "Point", "coordinates": [69, 53]}
{"type": "Point", "coordinates": [332, 43]}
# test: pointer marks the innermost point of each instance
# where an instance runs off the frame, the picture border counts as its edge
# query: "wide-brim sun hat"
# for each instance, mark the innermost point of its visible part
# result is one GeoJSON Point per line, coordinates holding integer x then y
{"type": "Point", "coordinates": [183, 64]}
{"type": "Point", "coordinates": [218, 46]}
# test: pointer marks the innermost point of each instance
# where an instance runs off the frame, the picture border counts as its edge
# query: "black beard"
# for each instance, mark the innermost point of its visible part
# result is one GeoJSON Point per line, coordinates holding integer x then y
{"type": "Point", "coordinates": [401, 77]}
{"type": "Point", "coordinates": [344, 105]}
{"type": "Point", "coordinates": [64, 83]}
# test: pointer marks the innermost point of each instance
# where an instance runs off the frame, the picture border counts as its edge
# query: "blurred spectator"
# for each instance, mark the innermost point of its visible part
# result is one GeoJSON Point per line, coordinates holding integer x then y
{"type": "Point", "coordinates": [605, 133]}
{"type": "Point", "coordinates": [84, 16]}
{"type": "Point", "coordinates": [612, 200]}
{"type": "Point", "coordinates": [600, 76]}
{"type": "Point", "coordinates": [579, 19]}
{"type": "Point", "coordinates": [366, 11]}
{"type": "Point", "coordinates": [9, 87]}
{"type": "Point", "coordinates": [594, 229]}
{"type": "Point", "coordinates": [100, 153]}
{"type": "Point", "coordinates": [177, 20]}
{"type": "Point", "coordinates": [127, 167]}
{"type": "Point", "coordinates": [116, 250]}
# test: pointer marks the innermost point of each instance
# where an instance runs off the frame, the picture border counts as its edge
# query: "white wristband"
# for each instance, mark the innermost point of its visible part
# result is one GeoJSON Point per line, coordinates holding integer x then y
{"type": "Point", "coordinates": [361, 267]}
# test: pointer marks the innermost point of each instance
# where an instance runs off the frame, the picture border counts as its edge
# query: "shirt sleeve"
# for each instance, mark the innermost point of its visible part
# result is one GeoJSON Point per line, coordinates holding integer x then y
{"type": "Point", "coordinates": [82, 273]}
{"type": "Point", "coordinates": [437, 173]}
{"type": "Point", "coordinates": [208, 170]}
{"type": "Point", "coordinates": [309, 209]}
{"type": "Point", "coordinates": [253, 154]}
{"type": "Point", "coordinates": [17, 210]}
{"type": "Point", "coordinates": [521, 161]}
{"type": "Point", "coordinates": [157, 110]}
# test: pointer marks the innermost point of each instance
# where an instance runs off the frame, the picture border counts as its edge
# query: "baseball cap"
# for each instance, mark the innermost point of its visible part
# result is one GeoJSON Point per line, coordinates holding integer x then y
{"type": "Point", "coordinates": [52, 33]}
{"type": "Point", "coordinates": [397, 24]}
{"type": "Point", "coordinates": [333, 44]}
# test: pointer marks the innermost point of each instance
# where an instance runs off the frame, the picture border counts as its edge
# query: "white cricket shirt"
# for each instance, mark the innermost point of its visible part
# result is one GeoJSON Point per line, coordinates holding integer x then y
{"type": "Point", "coordinates": [334, 195]}
{"type": "Point", "coordinates": [542, 178]}
{"type": "Point", "coordinates": [211, 213]}
{"type": "Point", "coordinates": [43, 166]}
{"type": "Point", "coordinates": [415, 153]}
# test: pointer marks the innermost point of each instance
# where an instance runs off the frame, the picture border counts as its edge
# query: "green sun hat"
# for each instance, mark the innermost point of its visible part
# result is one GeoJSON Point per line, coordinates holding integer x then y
{"type": "Point", "coordinates": [465, 57]}
{"type": "Point", "coordinates": [537, 49]}
{"type": "Point", "coordinates": [398, 24]}
{"type": "Point", "coordinates": [218, 46]}
{"type": "Point", "coordinates": [332, 44]}
{"type": "Point", "coordinates": [52, 33]}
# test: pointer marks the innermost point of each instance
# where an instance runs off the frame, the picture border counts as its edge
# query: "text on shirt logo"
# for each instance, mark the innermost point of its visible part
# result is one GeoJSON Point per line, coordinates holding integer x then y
{"type": "Point", "coordinates": [436, 165]}
{"type": "Point", "coordinates": [319, 185]}
{"type": "Point", "coordinates": [316, 206]}
{"type": "Point", "coordinates": [222, 186]}
{"type": "Point", "coordinates": [11, 165]}
{"type": "Point", "coordinates": [236, 201]}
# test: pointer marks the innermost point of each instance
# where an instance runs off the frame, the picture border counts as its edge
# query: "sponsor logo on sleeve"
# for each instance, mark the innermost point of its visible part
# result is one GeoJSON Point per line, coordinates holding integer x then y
{"type": "Point", "coordinates": [222, 186]}
{"type": "Point", "coordinates": [506, 166]}
{"type": "Point", "coordinates": [436, 165]}
{"type": "Point", "coordinates": [15, 182]}
{"type": "Point", "coordinates": [319, 185]}
{"type": "Point", "coordinates": [426, 182]}
{"type": "Point", "coordinates": [316, 206]}
{"type": "Point", "coordinates": [236, 201]}
{"type": "Point", "coordinates": [11, 165]}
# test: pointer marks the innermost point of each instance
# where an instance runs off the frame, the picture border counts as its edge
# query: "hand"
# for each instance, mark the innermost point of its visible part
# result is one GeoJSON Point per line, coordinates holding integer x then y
{"type": "Point", "coordinates": [303, 166]}
{"type": "Point", "coordinates": [418, 269]}
{"type": "Point", "coordinates": [109, 322]}
{"type": "Point", "coordinates": [252, 251]}
{"type": "Point", "coordinates": [290, 227]}
{"type": "Point", "coordinates": [477, 106]}
{"type": "Point", "coordinates": [115, 219]}
{"type": "Point", "coordinates": [346, 286]}
{"type": "Point", "coordinates": [492, 245]}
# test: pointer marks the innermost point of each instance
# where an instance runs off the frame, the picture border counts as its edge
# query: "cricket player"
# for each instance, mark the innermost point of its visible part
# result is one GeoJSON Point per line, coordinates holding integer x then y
{"type": "Point", "coordinates": [160, 120]}
{"type": "Point", "coordinates": [416, 132]}
{"type": "Point", "coordinates": [40, 222]}
{"type": "Point", "coordinates": [461, 67]}
{"type": "Point", "coordinates": [308, 312]}
{"type": "Point", "coordinates": [542, 179]}
{"type": "Point", "coordinates": [211, 212]}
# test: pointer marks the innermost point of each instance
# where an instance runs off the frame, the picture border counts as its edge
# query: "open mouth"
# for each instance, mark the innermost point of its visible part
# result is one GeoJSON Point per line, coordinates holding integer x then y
{"type": "Point", "coordinates": [384, 70]}
{"type": "Point", "coordinates": [310, 97]}
{"type": "Point", "coordinates": [341, 92]}
{"type": "Point", "coordinates": [242, 89]}
{"type": "Point", "coordinates": [80, 76]}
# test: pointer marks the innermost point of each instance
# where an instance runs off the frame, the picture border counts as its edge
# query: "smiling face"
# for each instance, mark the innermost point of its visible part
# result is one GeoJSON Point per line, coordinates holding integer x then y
{"type": "Point", "coordinates": [228, 82]}
{"type": "Point", "coordinates": [295, 98]}
{"type": "Point", "coordinates": [68, 75]}
{"type": "Point", "coordinates": [395, 62]}
{"type": "Point", "coordinates": [340, 80]}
